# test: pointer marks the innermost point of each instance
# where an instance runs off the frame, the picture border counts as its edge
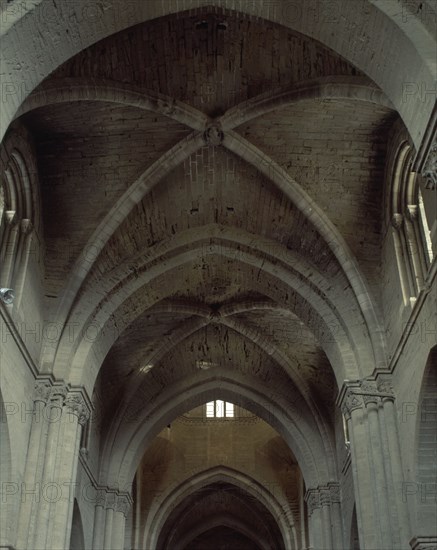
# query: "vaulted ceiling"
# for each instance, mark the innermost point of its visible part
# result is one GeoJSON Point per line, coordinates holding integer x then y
{"type": "Point", "coordinates": [211, 191]}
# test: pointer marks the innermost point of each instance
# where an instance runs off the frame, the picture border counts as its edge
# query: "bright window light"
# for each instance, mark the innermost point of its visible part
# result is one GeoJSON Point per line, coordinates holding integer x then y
{"type": "Point", "coordinates": [229, 410]}
{"type": "Point", "coordinates": [210, 410]}
{"type": "Point", "coordinates": [220, 409]}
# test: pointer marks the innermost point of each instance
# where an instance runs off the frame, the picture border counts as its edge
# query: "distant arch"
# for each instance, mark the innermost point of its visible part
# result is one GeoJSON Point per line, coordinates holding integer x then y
{"type": "Point", "coordinates": [161, 511]}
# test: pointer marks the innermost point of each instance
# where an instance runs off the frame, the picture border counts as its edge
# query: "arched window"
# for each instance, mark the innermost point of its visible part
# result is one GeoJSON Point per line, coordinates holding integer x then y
{"type": "Point", "coordinates": [411, 234]}
{"type": "Point", "coordinates": [17, 216]}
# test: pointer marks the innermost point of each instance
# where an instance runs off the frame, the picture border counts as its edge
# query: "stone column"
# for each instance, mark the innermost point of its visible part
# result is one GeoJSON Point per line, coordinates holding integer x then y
{"type": "Point", "coordinates": [399, 508]}
{"type": "Point", "coordinates": [59, 411]}
{"type": "Point", "coordinates": [369, 527]}
{"type": "Point", "coordinates": [374, 464]}
{"type": "Point", "coordinates": [49, 488]}
{"type": "Point", "coordinates": [31, 487]}
{"type": "Point", "coordinates": [325, 502]}
{"type": "Point", "coordinates": [325, 517]}
{"type": "Point", "coordinates": [99, 519]}
{"type": "Point", "coordinates": [137, 512]}
{"type": "Point", "coordinates": [74, 416]}
{"type": "Point", "coordinates": [303, 534]}
{"type": "Point", "coordinates": [111, 500]}
{"type": "Point", "coordinates": [121, 510]}
{"type": "Point", "coordinates": [379, 465]}
{"type": "Point", "coordinates": [336, 518]}
{"type": "Point", "coordinates": [315, 522]}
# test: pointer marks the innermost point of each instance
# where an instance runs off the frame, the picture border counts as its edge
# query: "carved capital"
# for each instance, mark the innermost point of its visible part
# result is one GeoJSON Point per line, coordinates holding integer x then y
{"type": "Point", "coordinates": [334, 490]}
{"type": "Point", "coordinates": [325, 496]}
{"type": "Point", "coordinates": [312, 498]}
{"type": "Point", "coordinates": [75, 404]}
{"type": "Point", "coordinates": [385, 387]}
{"type": "Point", "coordinates": [101, 497]}
{"type": "Point", "coordinates": [369, 392]}
{"type": "Point", "coordinates": [42, 390]}
{"type": "Point", "coordinates": [358, 394]}
{"type": "Point", "coordinates": [123, 504]}
{"type": "Point", "coordinates": [351, 401]}
{"type": "Point", "coordinates": [111, 500]}
{"type": "Point", "coordinates": [397, 221]}
{"type": "Point", "coordinates": [58, 394]}
{"type": "Point", "coordinates": [213, 134]}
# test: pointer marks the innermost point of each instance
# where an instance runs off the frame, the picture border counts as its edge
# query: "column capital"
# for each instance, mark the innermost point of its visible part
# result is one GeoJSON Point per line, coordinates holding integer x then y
{"type": "Point", "coordinates": [385, 387]}
{"type": "Point", "coordinates": [323, 495]}
{"type": "Point", "coordinates": [123, 505]}
{"type": "Point", "coordinates": [312, 498]}
{"type": "Point", "coordinates": [76, 404]}
{"type": "Point", "coordinates": [101, 497]}
{"type": "Point", "coordinates": [357, 394]}
{"type": "Point", "coordinates": [42, 390]}
{"type": "Point", "coordinates": [370, 392]}
{"type": "Point", "coordinates": [61, 394]}
{"type": "Point", "coordinates": [334, 491]}
{"type": "Point", "coordinates": [350, 398]}
{"type": "Point", "coordinates": [111, 500]}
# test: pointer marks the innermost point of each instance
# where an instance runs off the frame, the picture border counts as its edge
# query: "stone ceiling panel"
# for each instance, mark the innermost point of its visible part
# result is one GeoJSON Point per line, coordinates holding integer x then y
{"type": "Point", "coordinates": [203, 60]}
{"type": "Point", "coordinates": [336, 151]}
{"type": "Point", "coordinates": [89, 154]}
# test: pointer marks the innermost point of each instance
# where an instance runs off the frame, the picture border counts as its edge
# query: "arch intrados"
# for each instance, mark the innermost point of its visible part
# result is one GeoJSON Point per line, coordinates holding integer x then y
{"type": "Point", "coordinates": [211, 242]}
{"type": "Point", "coordinates": [77, 89]}
{"type": "Point", "coordinates": [25, 189]}
{"type": "Point", "coordinates": [401, 160]}
{"type": "Point", "coordinates": [10, 189]}
{"type": "Point", "coordinates": [83, 348]}
{"type": "Point", "coordinates": [73, 89]}
{"type": "Point", "coordinates": [275, 355]}
{"type": "Point", "coordinates": [161, 511]}
{"type": "Point", "coordinates": [131, 440]}
{"type": "Point", "coordinates": [221, 520]}
{"type": "Point", "coordinates": [335, 33]}
{"type": "Point", "coordinates": [287, 185]}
